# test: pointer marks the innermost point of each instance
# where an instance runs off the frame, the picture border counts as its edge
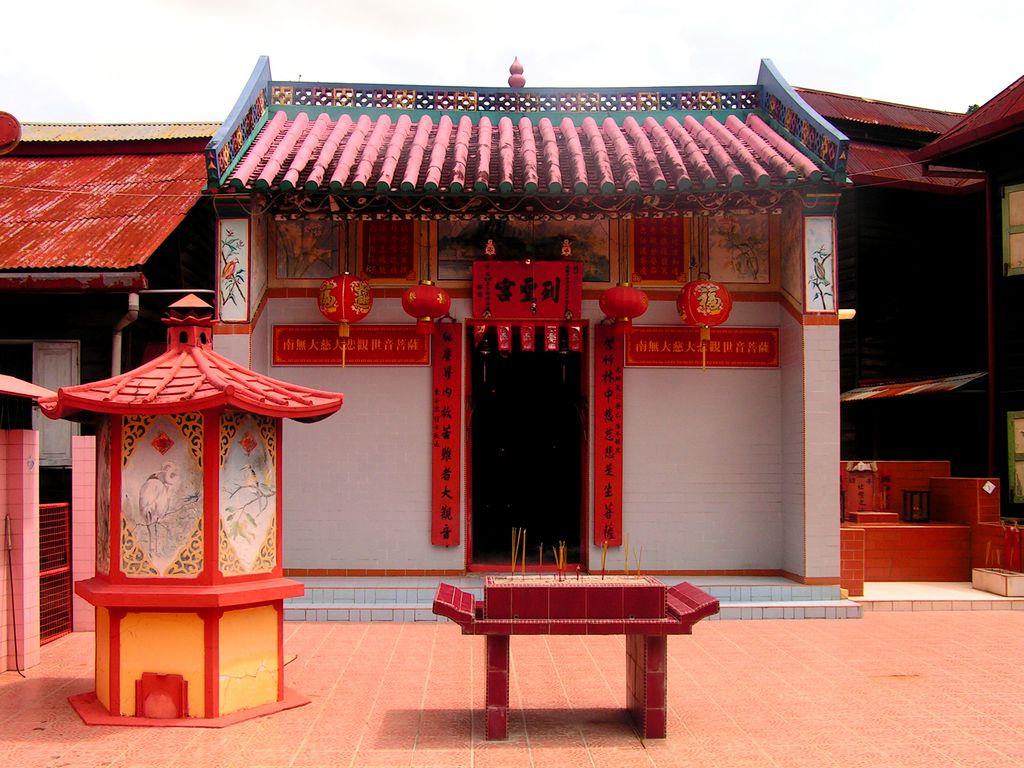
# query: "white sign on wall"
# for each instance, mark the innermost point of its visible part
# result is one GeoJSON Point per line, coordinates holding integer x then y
{"type": "Point", "coordinates": [819, 264]}
{"type": "Point", "coordinates": [233, 270]}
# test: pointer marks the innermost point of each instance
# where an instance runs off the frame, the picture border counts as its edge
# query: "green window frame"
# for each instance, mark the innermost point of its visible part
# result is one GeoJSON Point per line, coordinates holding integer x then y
{"type": "Point", "coordinates": [1015, 432]}
{"type": "Point", "coordinates": [1013, 230]}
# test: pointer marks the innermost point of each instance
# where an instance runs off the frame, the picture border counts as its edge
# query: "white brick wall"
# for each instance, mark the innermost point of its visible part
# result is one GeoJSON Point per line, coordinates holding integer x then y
{"type": "Point", "coordinates": [792, 416]}
{"type": "Point", "coordinates": [821, 354]}
{"type": "Point", "coordinates": [713, 465]}
{"type": "Point", "coordinates": [356, 489]}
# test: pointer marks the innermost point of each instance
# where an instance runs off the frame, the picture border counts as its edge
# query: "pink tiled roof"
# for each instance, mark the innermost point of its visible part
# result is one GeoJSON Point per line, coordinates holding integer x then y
{"type": "Point", "coordinates": [530, 155]}
{"type": "Point", "coordinates": [190, 376]}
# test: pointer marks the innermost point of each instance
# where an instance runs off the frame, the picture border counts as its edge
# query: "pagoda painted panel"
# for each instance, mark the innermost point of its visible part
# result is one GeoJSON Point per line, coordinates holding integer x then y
{"type": "Point", "coordinates": [161, 495]}
{"type": "Point", "coordinates": [248, 493]}
{"type": "Point", "coordinates": [103, 496]}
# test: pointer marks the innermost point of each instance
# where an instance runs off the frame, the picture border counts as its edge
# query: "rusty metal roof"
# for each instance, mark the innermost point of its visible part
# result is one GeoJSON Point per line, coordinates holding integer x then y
{"type": "Point", "coordinates": [871, 112]}
{"type": "Point", "coordinates": [116, 131]}
{"type": "Point", "coordinates": [873, 164]}
{"type": "Point", "coordinates": [190, 376]}
{"type": "Point", "coordinates": [92, 211]}
{"type": "Point", "coordinates": [900, 388]}
{"type": "Point", "coordinates": [310, 151]}
{"type": "Point", "coordinates": [1002, 113]}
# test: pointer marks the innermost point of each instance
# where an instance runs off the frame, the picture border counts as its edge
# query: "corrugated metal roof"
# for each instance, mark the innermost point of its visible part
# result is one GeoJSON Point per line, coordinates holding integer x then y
{"type": "Point", "coordinates": [862, 110]}
{"type": "Point", "coordinates": [116, 131]}
{"type": "Point", "coordinates": [883, 164]}
{"type": "Point", "coordinates": [897, 389]}
{"type": "Point", "coordinates": [532, 154]}
{"type": "Point", "coordinates": [93, 211]}
{"type": "Point", "coordinates": [1003, 112]}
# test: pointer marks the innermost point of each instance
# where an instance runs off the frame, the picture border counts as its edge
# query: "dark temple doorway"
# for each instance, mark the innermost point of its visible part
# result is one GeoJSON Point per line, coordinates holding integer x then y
{"type": "Point", "coordinates": [527, 449]}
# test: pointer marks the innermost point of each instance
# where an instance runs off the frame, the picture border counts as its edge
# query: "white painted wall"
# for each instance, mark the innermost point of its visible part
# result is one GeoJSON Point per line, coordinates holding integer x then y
{"type": "Point", "coordinates": [791, 359]}
{"type": "Point", "coordinates": [702, 461]}
{"type": "Point", "coordinates": [821, 360]}
{"type": "Point", "coordinates": [356, 489]}
{"type": "Point", "coordinates": [713, 463]}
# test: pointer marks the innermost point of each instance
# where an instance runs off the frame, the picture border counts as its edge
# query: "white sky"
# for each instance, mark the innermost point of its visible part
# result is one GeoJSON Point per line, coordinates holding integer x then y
{"type": "Point", "coordinates": [181, 60]}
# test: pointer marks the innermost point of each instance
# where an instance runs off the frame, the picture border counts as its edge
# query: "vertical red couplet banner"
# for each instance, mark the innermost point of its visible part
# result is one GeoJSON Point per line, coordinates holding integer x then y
{"type": "Point", "coordinates": [608, 436]}
{"type": "Point", "coordinates": [446, 434]}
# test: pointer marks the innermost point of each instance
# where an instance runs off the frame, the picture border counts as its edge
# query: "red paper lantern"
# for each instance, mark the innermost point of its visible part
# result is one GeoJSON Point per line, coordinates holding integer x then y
{"type": "Point", "coordinates": [344, 299]}
{"type": "Point", "coordinates": [10, 132]}
{"type": "Point", "coordinates": [426, 302]}
{"type": "Point", "coordinates": [623, 304]}
{"type": "Point", "coordinates": [704, 303]}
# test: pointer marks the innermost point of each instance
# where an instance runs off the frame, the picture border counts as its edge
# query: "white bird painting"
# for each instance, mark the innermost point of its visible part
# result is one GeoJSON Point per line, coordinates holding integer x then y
{"type": "Point", "coordinates": [155, 501]}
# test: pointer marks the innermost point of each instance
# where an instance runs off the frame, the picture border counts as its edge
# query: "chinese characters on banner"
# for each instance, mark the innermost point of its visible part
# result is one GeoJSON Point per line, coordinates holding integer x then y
{"type": "Point", "coordinates": [369, 345]}
{"type": "Point", "coordinates": [679, 346]}
{"type": "Point", "coordinates": [446, 432]}
{"type": "Point", "coordinates": [515, 289]}
{"type": "Point", "coordinates": [607, 437]}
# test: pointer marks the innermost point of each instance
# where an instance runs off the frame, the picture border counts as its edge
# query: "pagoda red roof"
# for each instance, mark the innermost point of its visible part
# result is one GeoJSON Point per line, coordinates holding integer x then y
{"type": "Point", "coordinates": [1002, 113]}
{"type": "Point", "coordinates": [107, 211]}
{"type": "Point", "coordinates": [190, 376]}
{"type": "Point", "coordinates": [361, 153]}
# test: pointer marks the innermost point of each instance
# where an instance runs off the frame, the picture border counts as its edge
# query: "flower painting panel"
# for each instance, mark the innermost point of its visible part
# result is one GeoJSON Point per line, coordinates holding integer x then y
{"type": "Point", "coordinates": [103, 495]}
{"type": "Point", "coordinates": [248, 493]}
{"type": "Point", "coordinates": [819, 264]}
{"type": "Point", "coordinates": [233, 279]}
{"type": "Point", "coordinates": [162, 500]}
{"type": "Point", "coordinates": [792, 254]}
{"type": "Point", "coordinates": [738, 250]}
{"type": "Point", "coordinates": [309, 248]}
{"type": "Point", "coordinates": [460, 243]}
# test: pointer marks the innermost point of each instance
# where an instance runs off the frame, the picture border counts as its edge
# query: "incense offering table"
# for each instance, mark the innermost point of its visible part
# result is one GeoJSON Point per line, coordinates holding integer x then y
{"type": "Point", "coordinates": [640, 607]}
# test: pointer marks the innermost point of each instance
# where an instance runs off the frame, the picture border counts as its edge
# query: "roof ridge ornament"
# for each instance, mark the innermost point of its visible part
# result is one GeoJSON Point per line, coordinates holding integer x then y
{"type": "Point", "coordinates": [516, 79]}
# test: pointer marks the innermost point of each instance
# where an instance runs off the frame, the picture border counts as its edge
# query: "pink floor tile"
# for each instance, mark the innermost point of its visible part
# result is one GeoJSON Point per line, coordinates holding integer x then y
{"type": "Point", "coordinates": [893, 689]}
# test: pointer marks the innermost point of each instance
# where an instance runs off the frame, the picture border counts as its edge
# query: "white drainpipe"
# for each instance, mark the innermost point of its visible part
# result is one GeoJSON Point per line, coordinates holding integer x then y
{"type": "Point", "coordinates": [130, 317]}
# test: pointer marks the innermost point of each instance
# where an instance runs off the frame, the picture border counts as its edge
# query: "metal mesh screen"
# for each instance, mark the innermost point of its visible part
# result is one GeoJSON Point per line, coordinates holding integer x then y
{"type": "Point", "coordinates": [54, 571]}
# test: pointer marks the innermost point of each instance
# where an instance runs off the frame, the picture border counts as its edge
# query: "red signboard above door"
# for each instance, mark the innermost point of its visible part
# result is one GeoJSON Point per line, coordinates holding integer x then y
{"type": "Point", "coordinates": [519, 290]}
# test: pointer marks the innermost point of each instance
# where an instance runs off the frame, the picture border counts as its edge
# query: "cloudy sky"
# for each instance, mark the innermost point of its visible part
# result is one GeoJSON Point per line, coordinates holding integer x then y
{"type": "Point", "coordinates": [156, 60]}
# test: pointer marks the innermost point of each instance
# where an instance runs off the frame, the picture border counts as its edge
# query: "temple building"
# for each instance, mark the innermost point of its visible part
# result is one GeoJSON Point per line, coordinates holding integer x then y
{"type": "Point", "coordinates": [603, 318]}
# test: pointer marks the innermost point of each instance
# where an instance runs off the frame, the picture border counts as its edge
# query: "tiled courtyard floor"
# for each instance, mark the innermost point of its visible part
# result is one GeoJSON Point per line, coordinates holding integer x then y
{"type": "Point", "coordinates": [936, 688]}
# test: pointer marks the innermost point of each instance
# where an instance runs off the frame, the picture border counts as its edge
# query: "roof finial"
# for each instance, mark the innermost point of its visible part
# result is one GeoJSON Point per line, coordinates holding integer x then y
{"type": "Point", "coordinates": [516, 80]}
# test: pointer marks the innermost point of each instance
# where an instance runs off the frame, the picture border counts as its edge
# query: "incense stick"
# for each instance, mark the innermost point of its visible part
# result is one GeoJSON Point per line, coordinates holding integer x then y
{"type": "Point", "coordinates": [524, 552]}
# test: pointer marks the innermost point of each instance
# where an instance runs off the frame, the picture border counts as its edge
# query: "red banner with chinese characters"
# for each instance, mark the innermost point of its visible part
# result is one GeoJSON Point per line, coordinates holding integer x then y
{"type": "Point", "coordinates": [680, 347]}
{"type": "Point", "coordinates": [367, 345]}
{"type": "Point", "coordinates": [446, 433]}
{"type": "Point", "coordinates": [607, 436]}
{"type": "Point", "coordinates": [540, 289]}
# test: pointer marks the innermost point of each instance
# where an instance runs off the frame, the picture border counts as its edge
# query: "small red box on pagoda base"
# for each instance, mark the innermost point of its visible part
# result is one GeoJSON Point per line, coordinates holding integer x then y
{"type": "Point", "coordinates": [189, 592]}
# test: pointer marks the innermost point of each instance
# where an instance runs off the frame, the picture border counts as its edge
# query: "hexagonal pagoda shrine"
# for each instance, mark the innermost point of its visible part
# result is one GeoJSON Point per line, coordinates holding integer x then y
{"type": "Point", "coordinates": [188, 589]}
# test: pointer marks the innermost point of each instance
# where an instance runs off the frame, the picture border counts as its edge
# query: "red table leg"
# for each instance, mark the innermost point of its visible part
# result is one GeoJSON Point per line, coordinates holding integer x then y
{"type": "Point", "coordinates": [647, 683]}
{"type": "Point", "coordinates": [497, 686]}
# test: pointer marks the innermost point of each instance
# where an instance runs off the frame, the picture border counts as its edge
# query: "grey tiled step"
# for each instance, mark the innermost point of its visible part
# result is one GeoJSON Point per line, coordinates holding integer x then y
{"type": "Point", "coordinates": [366, 599]}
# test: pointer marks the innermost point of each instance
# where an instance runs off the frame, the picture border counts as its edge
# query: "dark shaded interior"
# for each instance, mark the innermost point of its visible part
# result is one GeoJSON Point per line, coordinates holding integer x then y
{"type": "Point", "coordinates": [526, 434]}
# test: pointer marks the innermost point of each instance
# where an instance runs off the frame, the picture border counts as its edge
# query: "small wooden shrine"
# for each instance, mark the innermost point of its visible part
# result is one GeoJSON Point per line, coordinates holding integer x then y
{"type": "Point", "coordinates": [188, 589]}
